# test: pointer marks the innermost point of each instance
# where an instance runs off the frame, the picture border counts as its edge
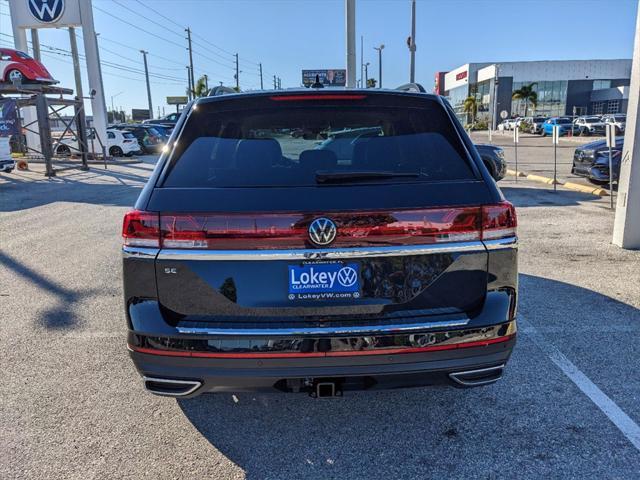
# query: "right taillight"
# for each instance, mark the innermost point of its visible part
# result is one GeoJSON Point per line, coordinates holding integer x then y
{"type": "Point", "coordinates": [498, 221]}
{"type": "Point", "coordinates": [141, 229]}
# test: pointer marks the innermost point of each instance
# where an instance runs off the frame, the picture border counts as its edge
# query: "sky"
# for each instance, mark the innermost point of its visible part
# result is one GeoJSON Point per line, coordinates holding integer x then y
{"type": "Point", "coordinates": [287, 36]}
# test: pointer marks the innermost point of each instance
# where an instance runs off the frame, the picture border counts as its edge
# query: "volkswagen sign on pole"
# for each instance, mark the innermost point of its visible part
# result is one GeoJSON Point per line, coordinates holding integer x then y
{"type": "Point", "coordinates": [46, 11]}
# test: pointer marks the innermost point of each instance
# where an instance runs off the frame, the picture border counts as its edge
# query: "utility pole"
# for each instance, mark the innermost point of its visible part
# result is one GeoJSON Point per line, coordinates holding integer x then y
{"type": "Point", "coordinates": [626, 227]}
{"type": "Point", "coordinates": [350, 27]}
{"type": "Point", "coordinates": [412, 43]}
{"type": "Point", "coordinates": [362, 82]}
{"type": "Point", "coordinates": [275, 83]}
{"type": "Point", "coordinates": [366, 75]}
{"type": "Point", "coordinates": [279, 83]}
{"type": "Point", "coordinates": [146, 74]}
{"type": "Point", "coordinates": [261, 85]}
{"type": "Point", "coordinates": [192, 83]}
{"type": "Point", "coordinates": [237, 73]}
{"type": "Point", "coordinates": [206, 83]}
{"type": "Point", "coordinates": [379, 49]}
{"type": "Point", "coordinates": [189, 90]}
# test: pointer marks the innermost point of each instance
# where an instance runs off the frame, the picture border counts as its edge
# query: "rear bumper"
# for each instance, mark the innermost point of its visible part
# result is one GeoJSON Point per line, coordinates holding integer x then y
{"type": "Point", "coordinates": [212, 375]}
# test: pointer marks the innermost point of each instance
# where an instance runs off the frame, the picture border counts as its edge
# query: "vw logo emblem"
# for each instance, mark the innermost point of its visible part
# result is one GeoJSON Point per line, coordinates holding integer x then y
{"type": "Point", "coordinates": [46, 11]}
{"type": "Point", "coordinates": [322, 231]}
{"type": "Point", "coordinates": [347, 276]}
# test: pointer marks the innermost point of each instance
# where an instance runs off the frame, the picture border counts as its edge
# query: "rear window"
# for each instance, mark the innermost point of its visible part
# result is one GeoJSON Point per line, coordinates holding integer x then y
{"type": "Point", "coordinates": [294, 145]}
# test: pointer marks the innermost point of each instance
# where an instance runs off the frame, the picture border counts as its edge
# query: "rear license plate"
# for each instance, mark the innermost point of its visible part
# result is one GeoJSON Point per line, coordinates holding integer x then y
{"type": "Point", "coordinates": [319, 281]}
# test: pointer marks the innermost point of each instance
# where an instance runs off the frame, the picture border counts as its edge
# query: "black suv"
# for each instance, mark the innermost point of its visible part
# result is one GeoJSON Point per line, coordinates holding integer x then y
{"type": "Point", "coordinates": [258, 261]}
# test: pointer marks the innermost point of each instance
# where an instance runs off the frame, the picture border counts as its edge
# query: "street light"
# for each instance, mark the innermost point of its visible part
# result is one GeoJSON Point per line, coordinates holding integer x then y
{"type": "Point", "coordinates": [366, 74]}
{"type": "Point", "coordinates": [379, 49]}
{"type": "Point", "coordinates": [113, 110]}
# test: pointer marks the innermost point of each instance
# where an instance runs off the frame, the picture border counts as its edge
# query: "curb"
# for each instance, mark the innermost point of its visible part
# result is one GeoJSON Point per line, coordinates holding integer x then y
{"type": "Point", "coordinates": [601, 192]}
{"type": "Point", "coordinates": [577, 187]}
{"type": "Point", "coordinates": [516, 173]}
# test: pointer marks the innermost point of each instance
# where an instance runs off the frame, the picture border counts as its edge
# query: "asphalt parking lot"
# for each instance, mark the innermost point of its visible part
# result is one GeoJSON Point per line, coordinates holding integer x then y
{"type": "Point", "coordinates": [74, 407]}
{"type": "Point", "coordinates": [535, 153]}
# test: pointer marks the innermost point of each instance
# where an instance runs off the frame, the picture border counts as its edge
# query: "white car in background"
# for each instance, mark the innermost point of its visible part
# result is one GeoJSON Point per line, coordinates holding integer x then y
{"type": "Point", "coordinates": [119, 143]}
{"type": "Point", "coordinates": [617, 119]}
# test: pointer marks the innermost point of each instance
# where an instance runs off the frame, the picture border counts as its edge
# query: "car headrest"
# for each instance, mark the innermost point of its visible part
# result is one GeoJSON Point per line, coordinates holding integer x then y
{"type": "Point", "coordinates": [258, 154]}
{"type": "Point", "coordinates": [318, 160]}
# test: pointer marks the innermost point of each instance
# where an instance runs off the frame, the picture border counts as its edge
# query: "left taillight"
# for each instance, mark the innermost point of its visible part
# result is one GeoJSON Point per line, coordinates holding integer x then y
{"type": "Point", "coordinates": [141, 229]}
{"type": "Point", "coordinates": [499, 221]}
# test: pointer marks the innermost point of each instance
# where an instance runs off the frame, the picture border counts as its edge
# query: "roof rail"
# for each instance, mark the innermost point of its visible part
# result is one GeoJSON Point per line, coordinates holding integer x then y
{"type": "Point", "coordinates": [411, 87]}
{"type": "Point", "coordinates": [220, 90]}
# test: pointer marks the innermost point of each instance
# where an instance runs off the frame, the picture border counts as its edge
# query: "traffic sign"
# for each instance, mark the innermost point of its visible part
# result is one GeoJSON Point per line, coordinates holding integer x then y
{"type": "Point", "coordinates": [556, 134]}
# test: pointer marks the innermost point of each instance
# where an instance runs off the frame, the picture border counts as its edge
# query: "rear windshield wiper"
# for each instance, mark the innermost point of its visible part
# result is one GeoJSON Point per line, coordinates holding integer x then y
{"type": "Point", "coordinates": [345, 177]}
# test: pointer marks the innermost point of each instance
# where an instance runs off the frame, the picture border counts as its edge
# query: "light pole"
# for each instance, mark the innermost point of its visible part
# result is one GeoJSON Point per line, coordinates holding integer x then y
{"type": "Point", "coordinates": [146, 74]}
{"type": "Point", "coordinates": [379, 49]}
{"type": "Point", "coordinates": [412, 43]}
{"type": "Point", "coordinates": [113, 109]}
{"type": "Point", "coordinates": [366, 75]}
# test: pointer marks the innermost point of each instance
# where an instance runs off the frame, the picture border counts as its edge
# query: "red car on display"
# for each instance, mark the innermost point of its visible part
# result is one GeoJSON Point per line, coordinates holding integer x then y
{"type": "Point", "coordinates": [18, 66]}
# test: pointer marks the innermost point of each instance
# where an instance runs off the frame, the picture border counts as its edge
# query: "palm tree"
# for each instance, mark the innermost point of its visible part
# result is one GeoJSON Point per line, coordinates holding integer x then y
{"type": "Point", "coordinates": [528, 94]}
{"type": "Point", "coordinates": [200, 89]}
{"type": "Point", "coordinates": [470, 106]}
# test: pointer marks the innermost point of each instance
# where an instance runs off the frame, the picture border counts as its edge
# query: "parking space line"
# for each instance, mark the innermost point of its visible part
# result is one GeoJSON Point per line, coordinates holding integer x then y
{"type": "Point", "coordinates": [620, 419]}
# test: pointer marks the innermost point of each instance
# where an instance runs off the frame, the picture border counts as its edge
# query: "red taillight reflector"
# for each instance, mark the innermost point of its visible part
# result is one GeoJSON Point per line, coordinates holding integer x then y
{"type": "Point", "coordinates": [346, 353]}
{"type": "Point", "coordinates": [305, 97]}
{"type": "Point", "coordinates": [499, 221]}
{"type": "Point", "coordinates": [141, 229]}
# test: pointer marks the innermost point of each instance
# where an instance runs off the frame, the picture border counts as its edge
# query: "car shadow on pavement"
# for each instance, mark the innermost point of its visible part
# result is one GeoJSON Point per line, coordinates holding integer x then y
{"type": "Point", "coordinates": [525, 426]}
{"type": "Point", "coordinates": [97, 186]}
{"type": "Point", "coordinates": [535, 197]}
{"type": "Point", "coordinates": [59, 316]}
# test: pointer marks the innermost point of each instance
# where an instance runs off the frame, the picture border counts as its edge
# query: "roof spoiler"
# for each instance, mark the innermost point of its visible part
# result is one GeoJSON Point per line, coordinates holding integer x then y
{"type": "Point", "coordinates": [411, 87]}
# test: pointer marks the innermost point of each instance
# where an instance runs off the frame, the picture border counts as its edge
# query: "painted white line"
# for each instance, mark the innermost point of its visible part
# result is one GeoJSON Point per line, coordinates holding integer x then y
{"type": "Point", "coordinates": [625, 424]}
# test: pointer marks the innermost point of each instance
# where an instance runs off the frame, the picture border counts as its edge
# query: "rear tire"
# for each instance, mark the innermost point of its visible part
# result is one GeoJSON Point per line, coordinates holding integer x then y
{"type": "Point", "coordinates": [116, 152]}
{"type": "Point", "coordinates": [63, 151]}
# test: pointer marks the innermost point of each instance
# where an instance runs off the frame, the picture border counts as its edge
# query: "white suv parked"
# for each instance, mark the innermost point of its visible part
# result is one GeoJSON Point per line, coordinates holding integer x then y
{"type": "Point", "coordinates": [618, 119]}
{"type": "Point", "coordinates": [119, 143]}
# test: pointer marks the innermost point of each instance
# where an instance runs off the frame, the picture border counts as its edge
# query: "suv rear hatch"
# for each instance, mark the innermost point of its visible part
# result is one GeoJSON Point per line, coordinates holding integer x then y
{"type": "Point", "coordinates": [244, 209]}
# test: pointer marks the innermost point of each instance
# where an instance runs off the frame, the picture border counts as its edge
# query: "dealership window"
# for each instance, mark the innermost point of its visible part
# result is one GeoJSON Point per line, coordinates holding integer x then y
{"type": "Point", "coordinates": [598, 108]}
{"type": "Point", "coordinates": [601, 84]}
{"type": "Point", "coordinates": [456, 98]}
{"type": "Point", "coordinates": [613, 106]}
{"type": "Point", "coordinates": [552, 98]}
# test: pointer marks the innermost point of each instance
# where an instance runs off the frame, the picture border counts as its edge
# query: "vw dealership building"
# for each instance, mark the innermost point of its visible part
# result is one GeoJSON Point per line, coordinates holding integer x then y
{"type": "Point", "coordinates": [564, 87]}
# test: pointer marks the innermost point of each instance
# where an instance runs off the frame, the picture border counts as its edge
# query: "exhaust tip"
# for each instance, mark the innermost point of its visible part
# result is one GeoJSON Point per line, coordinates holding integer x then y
{"type": "Point", "coordinates": [478, 377]}
{"type": "Point", "coordinates": [169, 387]}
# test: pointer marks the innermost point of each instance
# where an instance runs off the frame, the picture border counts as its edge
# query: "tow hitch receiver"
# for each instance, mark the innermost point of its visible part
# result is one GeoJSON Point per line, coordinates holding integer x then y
{"type": "Point", "coordinates": [325, 390]}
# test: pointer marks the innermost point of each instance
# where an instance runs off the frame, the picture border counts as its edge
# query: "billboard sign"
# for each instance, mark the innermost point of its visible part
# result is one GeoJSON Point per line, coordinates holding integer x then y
{"type": "Point", "coordinates": [177, 100]}
{"type": "Point", "coordinates": [140, 114]}
{"type": "Point", "coordinates": [336, 77]}
{"type": "Point", "coordinates": [46, 13]}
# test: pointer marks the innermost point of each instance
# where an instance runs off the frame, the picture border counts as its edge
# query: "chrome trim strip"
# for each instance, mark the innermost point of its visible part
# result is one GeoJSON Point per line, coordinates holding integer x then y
{"type": "Point", "coordinates": [139, 252]}
{"type": "Point", "coordinates": [350, 330]}
{"type": "Point", "coordinates": [321, 253]}
{"type": "Point", "coordinates": [476, 383]}
{"type": "Point", "coordinates": [194, 386]}
{"type": "Point", "coordinates": [501, 243]}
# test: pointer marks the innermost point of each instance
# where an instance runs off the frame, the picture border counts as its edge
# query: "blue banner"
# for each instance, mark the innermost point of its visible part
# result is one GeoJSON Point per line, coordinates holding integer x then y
{"type": "Point", "coordinates": [9, 124]}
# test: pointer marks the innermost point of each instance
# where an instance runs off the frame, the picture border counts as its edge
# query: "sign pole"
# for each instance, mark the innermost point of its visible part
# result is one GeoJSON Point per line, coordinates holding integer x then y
{"type": "Point", "coordinates": [611, 139]}
{"type": "Point", "coordinates": [516, 139]}
{"type": "Point", "coordinates": [556, 139]}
